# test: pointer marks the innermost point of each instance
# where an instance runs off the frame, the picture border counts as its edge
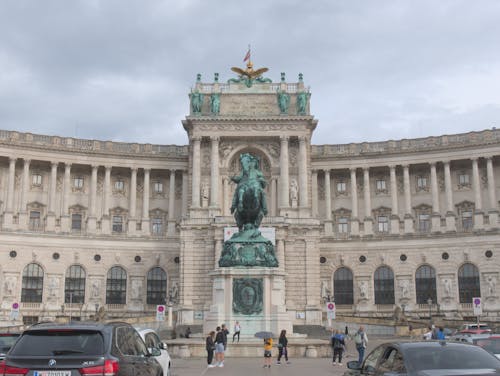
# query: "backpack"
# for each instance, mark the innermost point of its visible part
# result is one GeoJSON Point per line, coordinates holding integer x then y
{"type": "Point", "coordinates": [358, 339]}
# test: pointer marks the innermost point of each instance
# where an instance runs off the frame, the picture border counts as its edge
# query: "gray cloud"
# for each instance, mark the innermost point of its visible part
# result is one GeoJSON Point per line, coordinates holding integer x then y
{"type": "Point", "coordinates": [122, 70]}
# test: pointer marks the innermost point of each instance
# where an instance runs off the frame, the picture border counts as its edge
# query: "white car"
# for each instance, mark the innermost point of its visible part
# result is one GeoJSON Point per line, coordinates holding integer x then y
{"type": "Point", "coordinates": [153, 342]}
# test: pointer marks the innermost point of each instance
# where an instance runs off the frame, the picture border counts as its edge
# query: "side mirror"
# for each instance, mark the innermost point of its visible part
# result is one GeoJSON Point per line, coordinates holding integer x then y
{"type": "Point", "coordinates": [163, 346]}
{"type": "Point", "coordinates": [353, 364]}
{"type": "Point", "coordinates": [155, 352]}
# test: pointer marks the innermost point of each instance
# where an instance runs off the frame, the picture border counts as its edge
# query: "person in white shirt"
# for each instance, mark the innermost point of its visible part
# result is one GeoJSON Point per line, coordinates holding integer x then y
{"type": "Point", "coordinates": [428, 334]}
{"type": "Point", "coordinates": [237, 329]}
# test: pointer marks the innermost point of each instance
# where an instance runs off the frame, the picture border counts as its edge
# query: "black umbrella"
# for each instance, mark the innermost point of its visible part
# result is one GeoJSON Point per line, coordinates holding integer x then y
{"type": "Point", "coordinates": [264, 335]}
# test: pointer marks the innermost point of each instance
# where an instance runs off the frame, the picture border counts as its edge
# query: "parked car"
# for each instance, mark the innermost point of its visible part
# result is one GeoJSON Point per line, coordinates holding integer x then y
{"type": "Point", "coordinates": [468, 337]}
{"type": "Point", "coordinates": [426, 358]}
{"type": "Point", "coordinates": [152, 340]}
{"type": "Point", "coordinates": [474, 328]}
{"type": "Point", "coordinates": [490, 344]}
{"type": "Point", "coordinates": [80, 349]}
{"type": "Point", "coordinates": [7, 339]}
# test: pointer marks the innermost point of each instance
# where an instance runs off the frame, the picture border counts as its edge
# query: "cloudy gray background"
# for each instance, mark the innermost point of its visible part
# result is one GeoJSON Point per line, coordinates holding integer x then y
{"type": "Point", "coordinates": [122, 69]}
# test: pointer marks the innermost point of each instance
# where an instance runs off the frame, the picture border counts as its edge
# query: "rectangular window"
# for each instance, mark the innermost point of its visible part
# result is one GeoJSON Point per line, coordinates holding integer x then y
{"type": "Point", "coordinates": [35, 223]}
{"type": "Point", "coordinates": [343, 225]}
{"type": "Point", "coordinates": [341, 187]}
{"type": "Point", "coordinates": [158, 187]}
{"type": "Point", "coordinates": [424, 223]}
{"type": "Point", "coordinates": [157, 226]}
{"type": "Point", "coordinates": [119, 185]}
{"type": "Point", "coordinates": [117, 223]}
{"type": "Point", "coordinates": [383, 224]}
{"type": "Point", "coordinates": [463, 179]}
{"type": "Point", "coordinates": [78, 182]}
{"type": "Point", "coordinates": [380, 184]}
{"type": "Point", "coordinates": [76, 222]}
{"type": "Point", "coordinates": [421, 182]}
{"type": "Point", "coordinates": [36, 179]}
{"type": "Point", "coordinates": [467, 222]}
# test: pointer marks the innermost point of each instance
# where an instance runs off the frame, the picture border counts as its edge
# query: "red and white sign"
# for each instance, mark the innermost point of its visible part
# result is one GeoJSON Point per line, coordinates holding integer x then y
{"type": "Point", "coordinates": [160, 313]}
{"type": "Point", "coordinates": [330, 310]}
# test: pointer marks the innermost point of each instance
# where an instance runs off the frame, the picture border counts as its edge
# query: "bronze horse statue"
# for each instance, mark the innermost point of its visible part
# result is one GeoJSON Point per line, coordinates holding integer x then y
{"type": "Point", "coordinates": [249, 201]}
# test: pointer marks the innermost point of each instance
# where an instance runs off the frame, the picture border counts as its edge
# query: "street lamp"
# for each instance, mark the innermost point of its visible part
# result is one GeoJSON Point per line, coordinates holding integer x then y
{"type": "Point", "coordinates": [429, 302]}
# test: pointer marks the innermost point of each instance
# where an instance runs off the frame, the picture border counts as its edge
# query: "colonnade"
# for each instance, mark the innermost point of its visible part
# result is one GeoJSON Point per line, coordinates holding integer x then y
{"type": "Point", "coordinates": [92, 211]}
{"type": "Point", "coordinates": [445, 209]}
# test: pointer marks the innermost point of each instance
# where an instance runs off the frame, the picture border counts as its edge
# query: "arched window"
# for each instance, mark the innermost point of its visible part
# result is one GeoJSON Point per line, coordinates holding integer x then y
{"type": "Point", "coordinates": [74, 285]}
{"type": "Point", "coordinates": [157, 286]}
{"type": "Point", "coordinates": [425, 284]}
{"type": "Point", "coordinates": [32, 288]}
{"type": "Point", "coordinates": [116, 286]}
{"type": "Point", "coordinates": [384, 285]}
{"type": "Point", "coordinates": [342, 286]}
{"type": "Point", "coordinates": [468, 283]}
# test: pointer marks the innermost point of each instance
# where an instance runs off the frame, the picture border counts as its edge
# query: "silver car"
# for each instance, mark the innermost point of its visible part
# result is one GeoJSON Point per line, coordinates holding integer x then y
{"type": "Point", "coordinates": [152, 340]}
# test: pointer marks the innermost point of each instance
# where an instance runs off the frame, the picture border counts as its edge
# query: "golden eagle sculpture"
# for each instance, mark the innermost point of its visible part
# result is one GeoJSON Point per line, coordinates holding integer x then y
{"type": "Point", "coordinates": [249, 76]}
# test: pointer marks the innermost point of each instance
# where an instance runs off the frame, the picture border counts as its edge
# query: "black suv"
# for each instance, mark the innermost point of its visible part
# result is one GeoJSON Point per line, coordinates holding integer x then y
{"type": "Point", "coordinates": [80, 349]}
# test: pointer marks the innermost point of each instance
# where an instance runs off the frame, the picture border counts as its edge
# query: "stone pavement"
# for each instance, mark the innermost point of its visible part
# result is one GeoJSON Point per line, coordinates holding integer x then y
{"type": "Point", "coordinates": [253, 366]}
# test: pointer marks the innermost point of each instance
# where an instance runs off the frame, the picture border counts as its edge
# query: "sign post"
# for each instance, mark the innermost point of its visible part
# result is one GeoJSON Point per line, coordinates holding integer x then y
{"type": "Point", "coordinates": [14, 312]}
{"type": "Point", "coordinates": [330, 312]}
{"type": "Point", "coordinates": [478, 308]}
{"type": "Point", "coordinates": [160, 313]}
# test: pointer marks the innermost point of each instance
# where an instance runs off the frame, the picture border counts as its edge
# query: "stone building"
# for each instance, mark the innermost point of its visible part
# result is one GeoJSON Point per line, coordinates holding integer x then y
{"type": "Point", "coordinates": [90, 226]}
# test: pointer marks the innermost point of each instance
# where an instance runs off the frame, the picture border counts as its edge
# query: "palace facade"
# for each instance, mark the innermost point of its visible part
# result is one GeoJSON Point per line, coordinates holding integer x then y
{"type": "Point", "coordinates": [98, 226]}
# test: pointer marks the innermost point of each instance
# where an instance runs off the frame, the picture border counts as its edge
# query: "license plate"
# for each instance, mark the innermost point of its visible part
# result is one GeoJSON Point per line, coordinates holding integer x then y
{"type": "Point", "coordinates": [52, 373]}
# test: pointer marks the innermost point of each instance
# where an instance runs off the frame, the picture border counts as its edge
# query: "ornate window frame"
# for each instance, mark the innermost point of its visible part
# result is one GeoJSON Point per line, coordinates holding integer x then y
{"type": "Point", "coordinates": [381, 226]}
{"type": "Point", "coordinates": [77, 210]}
{"type": "Point", "coordinates": [156, 286]}
{"type": "Point", "coordinates": [36, 222]}
{"type": "Point", "coordinates": [421, 183]}
{"type": "Point", "coordinates": [74, 284]}
{"type": "Point", "coordinates": [78, 183]}
{"type": "Point", "coordinates": [423, 213]}
{"type": "Point", "coordinates": [463, 180]}
{"type": "Point", "coordinates": [381, 185]}
{"type": "Point", "coordinates": [465, 211]}
{"type": "Point", "coordinates": [342, 218]}
{"type": "Point", "coordinates": [158, 214]}
{"type": "Point", "coordinates": [116, 213]}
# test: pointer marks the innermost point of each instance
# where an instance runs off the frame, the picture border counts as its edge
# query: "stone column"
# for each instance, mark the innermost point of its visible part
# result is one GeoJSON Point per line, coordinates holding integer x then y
{"type": "Point", "coordinates": [132, 220]}
{"type": "Point", "coordinates": [476, 183]}
{"type": "Point", "coordinates": [171, 204]}
{"type": "Point", "coordinates": [280, 253]}
{"type": "Point", "coordinates": [368, 221]}
{"type": "Point", "coordinates": [303, 187]}
{"type": "Point", "coordinates": [493, 211]}
{"type": "Point", "coordinates": [218, 251]}
{"type": "Point", "coordinates": [450, 212]}
{"type": "Point", "coordinates": [23, 212]}
{"type": "Point", "coordinates": [195, 199]}
{"type": "Point", "coordinates": [146, 230]}
{"type": "Point", "coordinates": [225, 196]}
{"type": "Point", "coordinates": [409, 228]}
{"type": "Point", "coordinates": [314, 191]}
{"type": "Point", "coordinates": [328, 205]}
{"type": "Point", "coordinates": [9, 205]}
{"type": "Point", "coordinates": [394, 200]}
{"type": "Point", "coordinates": [214, 172]}
{"type": "Point", "coordinates": [51, 214]}
{"type": "Point", "coordinates": [354, 203]}
{"type": "Point", "coordinates": [65, 216]}
{"type": "Point", "coordinates": [436, 216]}
{"type": "Point", "coordinates": [106, 220]}
{"type": "Point", "coordinates": [92, 220]}
{"type": "Point", "coordinates": [184, 193]}
{"type": "Point", "coordinates": [274, 196]}
{"type": "Point", "coordinates": [284, 174]}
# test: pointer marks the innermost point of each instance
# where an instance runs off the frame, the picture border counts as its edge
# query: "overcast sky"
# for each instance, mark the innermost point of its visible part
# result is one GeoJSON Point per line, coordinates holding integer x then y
{"type": "Point", "coordinates": [121, 69]}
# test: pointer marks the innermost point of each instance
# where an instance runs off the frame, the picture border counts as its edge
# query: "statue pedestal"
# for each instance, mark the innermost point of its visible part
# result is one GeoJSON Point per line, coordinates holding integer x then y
{"type": "Point", "coordinates": [253, 296]}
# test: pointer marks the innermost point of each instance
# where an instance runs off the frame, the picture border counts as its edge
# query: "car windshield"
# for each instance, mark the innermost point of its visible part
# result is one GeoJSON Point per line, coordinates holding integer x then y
{"type": "Point", "coordinates": [450, 357]}
{"type": "Point", "coordinates": [59, 342]}
{"type": "Point", "coordinates": [6, 341]}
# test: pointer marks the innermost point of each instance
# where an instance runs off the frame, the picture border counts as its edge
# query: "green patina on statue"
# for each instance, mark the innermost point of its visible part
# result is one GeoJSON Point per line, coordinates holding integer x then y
{"type": "Point", "coordinates": [247, 296]}
{"type": "Point", "coordinates": [248, 247]}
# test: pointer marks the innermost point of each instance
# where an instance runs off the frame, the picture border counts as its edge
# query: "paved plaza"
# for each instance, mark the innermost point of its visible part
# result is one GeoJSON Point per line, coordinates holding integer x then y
{"type": "Point", "coordinates": [253, 366]}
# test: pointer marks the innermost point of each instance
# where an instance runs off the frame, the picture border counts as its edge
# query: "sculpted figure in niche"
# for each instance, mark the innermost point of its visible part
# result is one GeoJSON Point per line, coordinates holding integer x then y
{"type": "Point", "coordinates": [173, 293]}
{"type": "Point", "coordinates": [136, 288]}
{"type": "Point", "coordinates": [447, 286]}
{"type": "Point", "coordinates": [405, 288]}
{"type": "Point", "coordinates": [363, 289]}
{"type": "Point", "coordinates": [95, 288]}
{"type": "Point", "coordinates": [325, 291]}
{"type": "Point", "coordinates": [196, 101]}
{"type": "Point", "coordinates": [302, 103]}
{"type": "Point", "coordinates": [283, 101]}
{"type": "Point", "coordinates": [53, 286]}
{"type": "Point", "coordinates": [205, 191]}
{"type": "Point", "coordinates": [10, 285]}
{"type": "Point", "coordinates": [215, 104]}
{"type": "Point", "coordinates": [492, 282]}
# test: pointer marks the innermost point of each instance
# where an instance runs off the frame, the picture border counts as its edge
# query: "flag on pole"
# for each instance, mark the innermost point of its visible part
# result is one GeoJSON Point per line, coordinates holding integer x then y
{"type": "Point", "coordinates": [247, 56]}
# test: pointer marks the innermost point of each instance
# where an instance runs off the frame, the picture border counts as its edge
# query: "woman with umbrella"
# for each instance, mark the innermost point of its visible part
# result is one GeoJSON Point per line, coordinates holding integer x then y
{"type": "Point", "coordinates": [268, 345]}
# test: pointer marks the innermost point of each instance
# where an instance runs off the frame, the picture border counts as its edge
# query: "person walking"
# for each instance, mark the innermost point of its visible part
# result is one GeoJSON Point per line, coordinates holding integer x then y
{"type": "Point", "coordinates": [282, 347]}
{"type": "Point", "coordinates": [338, 345]}
{"type": "Point", "coordinates": [361, 341]}
{"type": "Point", "coordinates": [210, 346]}
{"type": "Point", "coordinates": [219, 347]}
{"type": "Point", "coordinates": [225, 332]}
{"type": "Point", "coordinates": [237, 329]}
{"type": "Point", "coordinates": [268, 346]}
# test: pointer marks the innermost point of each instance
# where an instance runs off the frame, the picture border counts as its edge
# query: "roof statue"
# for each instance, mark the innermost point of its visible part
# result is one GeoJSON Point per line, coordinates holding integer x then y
{"type": "Point", "coordinates": [248, 76]}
